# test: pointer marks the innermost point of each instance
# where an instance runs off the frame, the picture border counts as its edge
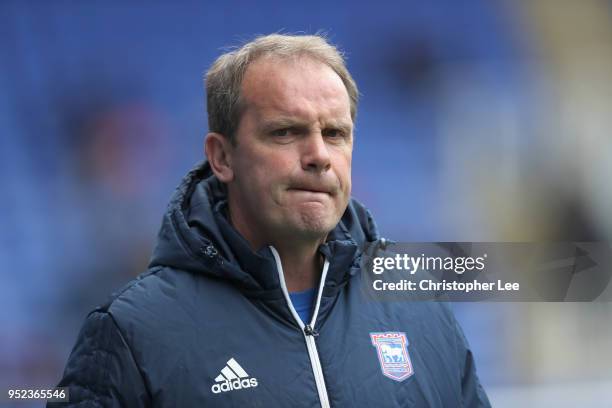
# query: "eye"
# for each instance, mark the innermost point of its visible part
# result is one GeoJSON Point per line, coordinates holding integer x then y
{"type": "Point", "coordinates": [281, 132]}
{"type": "Point", "coordinates": [333, 133]}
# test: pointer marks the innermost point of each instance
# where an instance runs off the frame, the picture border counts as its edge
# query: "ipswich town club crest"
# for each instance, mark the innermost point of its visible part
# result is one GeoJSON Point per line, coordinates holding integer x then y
{"type": "Point", "coordinates": [392, 349]}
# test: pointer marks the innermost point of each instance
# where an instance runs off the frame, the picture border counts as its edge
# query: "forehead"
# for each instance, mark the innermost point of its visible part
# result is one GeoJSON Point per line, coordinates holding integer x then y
{"type": "Point", "coordinates": [299, 86]}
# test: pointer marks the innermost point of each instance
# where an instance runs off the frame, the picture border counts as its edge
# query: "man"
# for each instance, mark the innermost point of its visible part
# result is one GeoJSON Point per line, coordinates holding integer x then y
{"type": "Point", "coordinates": [253, 297]}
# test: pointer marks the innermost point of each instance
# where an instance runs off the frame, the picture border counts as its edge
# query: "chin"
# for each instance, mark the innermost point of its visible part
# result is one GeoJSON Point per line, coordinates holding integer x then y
{"type": "Point", "coordinates": [315, 226]}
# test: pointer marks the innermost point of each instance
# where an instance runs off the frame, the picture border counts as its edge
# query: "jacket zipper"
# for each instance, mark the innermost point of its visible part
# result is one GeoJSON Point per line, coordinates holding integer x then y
{"type": "Point", "coordinates": [308, 330]}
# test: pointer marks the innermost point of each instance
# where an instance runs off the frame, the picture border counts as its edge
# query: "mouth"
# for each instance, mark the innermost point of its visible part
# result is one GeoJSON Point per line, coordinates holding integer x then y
{"type": "Point", "coordinates": [310, 195]}
{"type": "Point", "coordinates": [312, 190]}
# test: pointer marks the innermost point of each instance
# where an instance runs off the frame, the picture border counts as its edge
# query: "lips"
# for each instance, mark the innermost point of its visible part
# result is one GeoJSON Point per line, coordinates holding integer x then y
{"type": "Point", "coordinates": [312, 189]}
{"type": "Point", "coordinates": [302, 195]}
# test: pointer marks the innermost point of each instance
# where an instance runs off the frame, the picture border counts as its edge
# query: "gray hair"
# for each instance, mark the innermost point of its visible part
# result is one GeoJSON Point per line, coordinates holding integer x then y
{"type": "Point", "coordinates": [224, 78]}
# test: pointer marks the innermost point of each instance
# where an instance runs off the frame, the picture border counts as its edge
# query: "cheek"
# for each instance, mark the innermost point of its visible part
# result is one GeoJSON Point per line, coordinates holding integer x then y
{"type": "Point", "coordinates": [252, 167]}
{"type": "Point", "coordinates": [265, 181]}
{"type": "Point", "coordinates": [344, 171]}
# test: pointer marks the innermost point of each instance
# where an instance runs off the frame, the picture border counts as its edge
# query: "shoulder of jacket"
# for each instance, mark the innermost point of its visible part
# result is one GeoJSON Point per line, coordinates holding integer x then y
{"type": "Point", "coordinates": [127, 289]}
{"type": "Point", "coordinates": [159, 291]}
{"type": "Point", "coordinates": [133, 291]}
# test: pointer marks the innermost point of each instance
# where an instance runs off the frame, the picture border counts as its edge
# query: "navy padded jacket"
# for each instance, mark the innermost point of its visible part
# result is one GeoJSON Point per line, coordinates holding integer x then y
{"type": "Point", "coordinates": [209, 325]}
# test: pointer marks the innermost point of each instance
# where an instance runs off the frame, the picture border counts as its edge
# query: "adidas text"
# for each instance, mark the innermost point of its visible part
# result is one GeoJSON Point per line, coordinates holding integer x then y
{"type": "Point", "coordinates": [236, 384]}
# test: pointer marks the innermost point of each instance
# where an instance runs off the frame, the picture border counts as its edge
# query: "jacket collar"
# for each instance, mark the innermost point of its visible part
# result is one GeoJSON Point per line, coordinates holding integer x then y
{"type": "Point", "coordinates": [196, 236]}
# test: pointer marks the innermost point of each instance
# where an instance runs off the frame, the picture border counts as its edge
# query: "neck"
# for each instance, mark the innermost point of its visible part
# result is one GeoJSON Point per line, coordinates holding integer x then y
{"type": "Point", "coordinates": [301, 266]}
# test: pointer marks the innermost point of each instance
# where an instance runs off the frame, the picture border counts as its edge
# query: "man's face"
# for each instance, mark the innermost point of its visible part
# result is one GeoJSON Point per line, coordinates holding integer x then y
{"type": "Point", "coordinates": [292, 161]}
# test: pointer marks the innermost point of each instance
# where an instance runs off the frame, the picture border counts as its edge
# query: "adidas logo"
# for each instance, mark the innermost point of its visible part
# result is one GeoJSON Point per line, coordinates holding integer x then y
{"type": "Point", "coordinates": [232, 377]}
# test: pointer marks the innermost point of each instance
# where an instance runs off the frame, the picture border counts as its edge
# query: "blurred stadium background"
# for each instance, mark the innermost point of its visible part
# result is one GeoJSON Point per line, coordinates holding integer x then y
{"type": "Point", "coordinates": [480, 120]}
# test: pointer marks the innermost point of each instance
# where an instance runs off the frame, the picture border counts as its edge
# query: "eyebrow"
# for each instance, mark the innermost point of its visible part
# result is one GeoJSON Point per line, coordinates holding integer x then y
{"type": "Point", "coordinates": [287, 122]}
{"type": "Point", "coordinates": [282, 123]}
{"type": "Point", "coordinates": [342, 125]}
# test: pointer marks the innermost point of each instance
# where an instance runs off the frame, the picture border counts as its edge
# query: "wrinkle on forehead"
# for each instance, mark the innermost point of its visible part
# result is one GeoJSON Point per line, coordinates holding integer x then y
{"type": "Point", "coordinates": [296, 87]}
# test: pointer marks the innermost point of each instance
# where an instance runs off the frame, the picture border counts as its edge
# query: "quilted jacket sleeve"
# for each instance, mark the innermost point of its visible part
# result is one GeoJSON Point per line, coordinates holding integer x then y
{"type": "Point", "coordinates": [472, 393]}
{"type": "Point", "coordinates": [101, 370]}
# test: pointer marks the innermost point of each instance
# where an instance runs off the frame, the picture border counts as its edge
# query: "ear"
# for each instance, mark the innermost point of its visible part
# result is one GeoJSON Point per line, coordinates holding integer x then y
{"type": "Point", "coordinates": [219, 151]}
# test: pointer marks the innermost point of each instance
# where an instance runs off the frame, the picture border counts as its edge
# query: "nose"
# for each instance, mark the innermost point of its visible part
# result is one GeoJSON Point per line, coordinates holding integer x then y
{"type": "Point", "coordinates": [315, 154]}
